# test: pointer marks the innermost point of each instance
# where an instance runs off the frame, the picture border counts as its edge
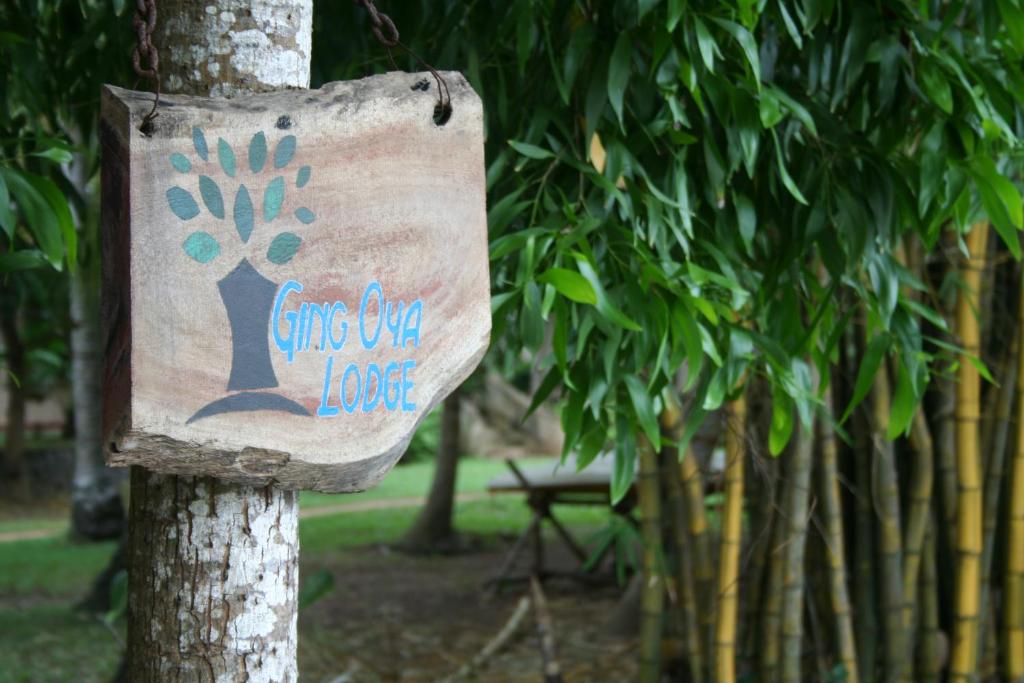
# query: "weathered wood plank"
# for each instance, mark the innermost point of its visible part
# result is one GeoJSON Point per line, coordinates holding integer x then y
{"type": "Point", "coordinates": [293, 280]}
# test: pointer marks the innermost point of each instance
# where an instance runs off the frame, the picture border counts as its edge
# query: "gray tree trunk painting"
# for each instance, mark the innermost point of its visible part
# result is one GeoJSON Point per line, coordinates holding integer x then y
{"type": "Point", "coordinates": [213, 567]}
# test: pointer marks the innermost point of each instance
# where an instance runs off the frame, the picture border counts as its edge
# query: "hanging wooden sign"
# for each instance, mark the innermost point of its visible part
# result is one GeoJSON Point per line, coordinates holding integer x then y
{"type": "Point", "coordinates": [292, 280]}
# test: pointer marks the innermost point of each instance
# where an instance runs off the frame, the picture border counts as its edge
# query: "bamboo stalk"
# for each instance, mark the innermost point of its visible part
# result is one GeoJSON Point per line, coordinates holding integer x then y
{"type": "Point", "coordinates": [700, 544]}
{"type": "Point", "coordinates": [929, 667]}
{"type": "Point", "coordinates": [771, 614]}
{"type": "Point", "coordinates": [729, 550]}
{"type": "Point", "coordinates": [886, 495]}
{"type": "Point", "coordinates": [793, 561]}
{"type": "Point", "coordinates": [1013, 597]}
{"type": "Point", "coordinates": [832, 514]}
{"type": "Point", "coordinates": [653, 591]}
{"type": "Point", "coordinates": [918, 515]}
{"type": "Point", "coordinates": [964, 659]}
{"type": "Point", "coordinates": [687, 605]}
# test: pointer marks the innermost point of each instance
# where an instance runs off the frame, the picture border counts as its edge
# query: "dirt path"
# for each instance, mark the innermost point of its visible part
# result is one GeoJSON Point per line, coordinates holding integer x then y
{"type": "Point", "coordinates": [307, 513]}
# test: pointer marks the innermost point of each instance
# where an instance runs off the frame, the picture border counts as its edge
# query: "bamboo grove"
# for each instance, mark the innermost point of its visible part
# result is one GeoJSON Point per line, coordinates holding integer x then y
{"type": "Point", "coordinates": [789, 227]}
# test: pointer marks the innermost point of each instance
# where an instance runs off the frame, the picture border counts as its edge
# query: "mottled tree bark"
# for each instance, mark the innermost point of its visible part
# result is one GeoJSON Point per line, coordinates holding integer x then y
{"type": "Point", "coordinates": [213, 567]}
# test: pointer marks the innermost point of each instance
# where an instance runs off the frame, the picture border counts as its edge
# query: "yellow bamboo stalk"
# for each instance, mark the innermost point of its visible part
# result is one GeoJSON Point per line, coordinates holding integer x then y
{"type": "Point", "coordinates": [729, 551]}
{"type": "Point", "coordinates": [964, 657]}
{"type": "Point", "coordinates": [1013, 599]}
{"type": "Point", "coordinates": [700, 543]}
{"type": "Point", "coordinates": [832, 514]}
{"type": "Point", "coordinates": [653, 592]}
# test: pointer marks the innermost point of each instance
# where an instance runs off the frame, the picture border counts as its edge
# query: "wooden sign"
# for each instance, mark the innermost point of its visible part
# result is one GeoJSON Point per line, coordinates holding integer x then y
{"type": "Point", "coordinates": [292, 280]}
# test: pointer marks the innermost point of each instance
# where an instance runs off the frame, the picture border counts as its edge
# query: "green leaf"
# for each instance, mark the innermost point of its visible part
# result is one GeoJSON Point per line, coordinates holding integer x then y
{"type": "Point", "coordinates": [283, 248]}
{"type": "Point", "coordinates": [675, 13]}
{"type": "Point", "coordinates": [625, 459]}
{"type": "Point", "coordinates": [619, 70]}
{"type": "Point", "coordinates": [604, 305]}
{"type": "Point", "coordinates": [570, 284]}
{"type": "Point", "coordinates": [782, 421]}
{"type": "Point", "coordinates": [530, 151]}
{"type": "Point", "coordinates": [784, 174]}
{"type": "Point", "coordinates": [58, 155]}
{"type": "Point", "coordinates": [7, 220]}
{"type": "Point", "coordinates": [58, 204]}
{"type": "Point", "coordinates": [747, 43]}
{"type": "Point", "coordinates": [1001, 201]}
{"type": "Point", "coordinates": [22, 259]}
{"type": "Point", "coordinates": [201, 246]}
{"type": "Point", "coordinates": [904, 403]}
{"type": "Point", "coordinates": [211, 196]}
{"type": "Point", "coordinates": [643, 406]}
{"type": "Point", "coordinates": [869, 364]}
{"type": "Point", "coordinates": [705, 44]}
{"type": "Point", "coordinates": [935, 85]}
{"type": "Point", "coordinates": [273, 197]}
{"type": "Point", "coordinates": [40, 218]}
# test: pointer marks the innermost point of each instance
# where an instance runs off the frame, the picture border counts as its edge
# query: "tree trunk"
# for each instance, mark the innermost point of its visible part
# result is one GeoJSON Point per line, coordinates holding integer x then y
{"type": "Point", "coordinates": [795, 521]}
{"type": "Point", "coordinates": [835, 544]}
{"type": "Point", "coordinates": [97, 512]}
{"type": "Point", "coordinates": [700, 544]}
{"type": "Point", "coordinates": [433, 529]}
{"type": "Point", "coordinates": [732, 535]}
{"type": "Point", "coordinates": [1013, 593]}
{"type": "Point", "coordinates": [886, 496]}
{"type": "Point", "coordinates": [14, 436]}
{"type": "Point", "coordinates": [964, 659]}
{"type": "Point", "coordinates": [213, 567]}
{"type": "Point", "coordinates": [652, 595]}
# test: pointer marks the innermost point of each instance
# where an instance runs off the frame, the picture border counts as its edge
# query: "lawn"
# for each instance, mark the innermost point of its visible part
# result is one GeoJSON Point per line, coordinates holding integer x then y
{"type": "Point", "coordinates": [42, 638]}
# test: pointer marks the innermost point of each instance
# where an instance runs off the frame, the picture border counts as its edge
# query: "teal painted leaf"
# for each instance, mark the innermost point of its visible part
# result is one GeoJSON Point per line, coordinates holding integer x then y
{"type": "Point", "coordinates": [201, 246]}
{"type": "Point", "coordinates": [273, 198]}
{"type": "Point", "coordinates": [257, 152]}
{"type": "Point", "coordinates": [182, 203]}
{"type": "Point", "coordinates": [243, 213]}
{"type": "Point", "coordinates": [181, 163]}
{"type": "Point", "coordinates": [303, 177]}
{"type": "Point", "coordinates": [226, 155]}
{"type": "Point", "coordinates": [285, 151]}
{"type": "Point", "coordinates": [211, 196]}
{"type": "Point", "coordinates": [283, 248]}
{"type": "Point", "coordinates": [304, 215]}
{"type": "Point", "coordinates": [199, 142]}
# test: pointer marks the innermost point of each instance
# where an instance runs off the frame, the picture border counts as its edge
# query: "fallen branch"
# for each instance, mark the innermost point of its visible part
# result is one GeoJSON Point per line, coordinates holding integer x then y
{"type": "Point", "coordinates": [496, 643]}
{"type": "Point", "coordinates": [546, 634]}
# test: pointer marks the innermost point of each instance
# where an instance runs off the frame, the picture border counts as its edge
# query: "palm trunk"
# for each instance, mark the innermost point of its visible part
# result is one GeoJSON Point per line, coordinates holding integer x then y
{"type": "Point", "coordinates": [213, 567]}
{"type": "Point", "coordinates": [795, 518]}
{"type": "Point", "coordinates": [433, 528]}
{"type": "Point", "coordinates": [653, 591]}
{"type": "Point", "coordinates": [969, 531]}
{"type": "Point", "coordinates": [1013, 597]}
{"type": "Point", "coordinates": [835, 545]}
{"type": "Point", "coordinates": [732, 531]}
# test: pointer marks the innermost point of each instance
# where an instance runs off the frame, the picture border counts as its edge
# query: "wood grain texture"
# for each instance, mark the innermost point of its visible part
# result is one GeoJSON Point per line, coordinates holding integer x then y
{"type": "Point", "coordinates": [335, 189]}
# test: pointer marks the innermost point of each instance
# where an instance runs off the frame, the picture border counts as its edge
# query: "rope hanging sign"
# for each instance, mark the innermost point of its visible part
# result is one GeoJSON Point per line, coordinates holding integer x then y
{"type": "Point", "coordinates": [292, 280]}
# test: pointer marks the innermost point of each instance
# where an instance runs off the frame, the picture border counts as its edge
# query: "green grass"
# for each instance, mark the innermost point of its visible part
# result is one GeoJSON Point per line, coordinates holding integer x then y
{"type": "Point", "coordinates": [51, 643]}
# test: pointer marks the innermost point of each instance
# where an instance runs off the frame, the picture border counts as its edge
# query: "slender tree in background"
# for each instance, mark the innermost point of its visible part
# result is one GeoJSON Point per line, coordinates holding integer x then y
{"type": "Point", "coordinates": [193, 540]}
{"type": "Point", "coordinates": [1013, 599]}
{"type": "Point", "coordinates": [433, 531]}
